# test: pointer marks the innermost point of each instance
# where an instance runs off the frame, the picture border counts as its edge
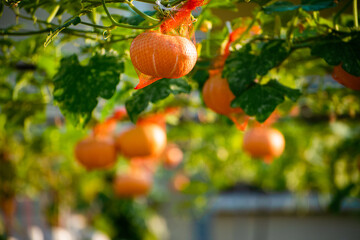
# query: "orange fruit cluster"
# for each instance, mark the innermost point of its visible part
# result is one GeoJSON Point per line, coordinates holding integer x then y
{"type": "Point", "coordinates": [144, 144]}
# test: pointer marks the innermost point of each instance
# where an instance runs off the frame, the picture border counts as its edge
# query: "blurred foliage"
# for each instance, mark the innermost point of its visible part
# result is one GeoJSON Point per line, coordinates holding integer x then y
{"type": "Point", "coordinates": [319, 157]}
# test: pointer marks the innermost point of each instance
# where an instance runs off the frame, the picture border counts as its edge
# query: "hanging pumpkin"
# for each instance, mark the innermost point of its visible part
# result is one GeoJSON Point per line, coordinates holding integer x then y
{"type": "Point", "coordinates": [145, 140]}
{"type": "Point", "coordinates": [263, 142]}
{"type": "Point", "coordinates": [345, 78]}
{"type": "Point", "coordinates": [163, 56]}
{"type": "Point", "coordinates": [137, 182]}
{"type": "Point", "coordinates": [96, 153]}
{"type": "Point", "coordinates": [172, 156]}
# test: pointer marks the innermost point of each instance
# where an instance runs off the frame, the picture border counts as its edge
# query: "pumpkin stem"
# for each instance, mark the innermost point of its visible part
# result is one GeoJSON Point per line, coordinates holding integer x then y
{"type": "Point", "coordinates": [241, 126]}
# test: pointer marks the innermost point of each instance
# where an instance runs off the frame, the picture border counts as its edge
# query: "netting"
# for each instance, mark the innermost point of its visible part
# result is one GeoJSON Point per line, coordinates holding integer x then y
{"type": "Point", "coordinates": [180, 57]}
{"type": "Point", "coordinates": [181, 22]}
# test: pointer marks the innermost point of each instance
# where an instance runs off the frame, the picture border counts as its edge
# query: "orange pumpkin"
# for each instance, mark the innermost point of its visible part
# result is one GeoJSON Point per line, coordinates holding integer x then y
{"type": "Point", "coordinates": [262, 142]}
{"type": "Point", "coordinates": [136, 183]}
{"type": "Point", "coordinates": [218, 96]}
{"type": "Point", "coordinates": [172, 156]}
{"type": "Point", "coordinates": [345, 78]}
{"type": "Point", "coordinates": [180, 182]}
{"type": "Point", "coordinates": [163, 56]}
{"type": "Point", "coordinates": [145, 140]}
{"type": "Point", "coordinates": [96, 153]}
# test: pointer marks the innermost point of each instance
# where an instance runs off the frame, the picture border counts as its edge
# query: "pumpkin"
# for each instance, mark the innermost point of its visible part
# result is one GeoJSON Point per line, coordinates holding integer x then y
{"type": "Point", "coordinates": [345, 78]}
{"type": "Point", "coordinates": [172, 156]}
{"type": "Point", "coordinates": [96, 153]}
{"type": "Point", "coordinates": [263, 142]}
{"type": "Point", "coordinates": [135, 183]}
{"type": "Point", "coordinates": [179, 182]}
{"type": "Point", "coordinates": [145, 140]}
{"type": "Point", "coordinates": [163, 56]}
{"type": "Point", "coordinates": [218, 96]}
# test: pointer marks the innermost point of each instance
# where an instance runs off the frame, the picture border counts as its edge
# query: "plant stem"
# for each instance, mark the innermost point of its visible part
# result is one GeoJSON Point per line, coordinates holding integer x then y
{"type": "Point", "coordinates": [96, 26]}
{"type": "Point", "coordinates": [28, 33]}
{"type": "Point", "coordinates": [165, 3]}
{"type": "Point", "coordinates": [53, 13]}
{"type": "Point", "coordinates": [125, 25]}
{"type": "Point", "coordinates": [146, 17]}
{"type": "Point", "coordinates": [337, 15]}
{"type": "Point", "coordinates": [70, 30]}
{"type": "Point", "coordinates": [3, 32]}
{"type": "Point", "coordinates": [356, 20]}
{"type": "Point", "coordinates": [146, 1]}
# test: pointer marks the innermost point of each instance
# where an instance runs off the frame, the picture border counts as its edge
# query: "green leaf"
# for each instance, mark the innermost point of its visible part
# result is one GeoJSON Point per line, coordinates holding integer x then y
{"type": "Point", "coordinates": [17, 111]}
{"type": "Point", "coordinates": [132, 20]}
{"type": "Point", "coordinates": [292, 94]}
{"type": "Point", "coordinates": [240, 70]}
{"type": "Point", "coordinates": [260, 2]}
{"type": "Point", "coordinates": [137, 19]}
{"type": "Point", "coordinates": [1, 8]}
{"type": "Point", "coordinates": [242, 66]}
{"type": "Point", "coordinates": [316, 5]}
{"type": "Point", "coordinates": [329, 49]}
{"type": "Point", "coordinates": [272, 54]}
{"type": "Point", "coordinates": [77, 87]}
{"type": "Point", "coordinates": [335, 51]}
{"type": "Point", "coordinates": [158, 90]}
{"type": "Point", "coordinates": [261, 100]}
{"type": "Point", "coordinates": [280, 6]}
{"type": "Point", "coordinates": [351, 57]}
{"type": "Point", "coordinates": [307, 5]}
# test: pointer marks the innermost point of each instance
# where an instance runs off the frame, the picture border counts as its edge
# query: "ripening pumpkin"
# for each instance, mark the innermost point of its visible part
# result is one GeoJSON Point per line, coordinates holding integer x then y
{"type": "Point", "coordinates": [179, 182]}
{"type": "Point", "coordinates": [345, 78]}
{"type": "Point", "coordinates": [218, 96]}
{"type": "Point", "coordinates": [172, 156]}
{"type": "Point", "coordinates": [262, 142]}
{"type": "Point", "coordinates": [145, 140]}
{"type": "Point", "coordinates": [163, 56]}
{"type": "Point", "coordinates": [136, 183]}
{"type": "Point", "coordinates": [96, 153]}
